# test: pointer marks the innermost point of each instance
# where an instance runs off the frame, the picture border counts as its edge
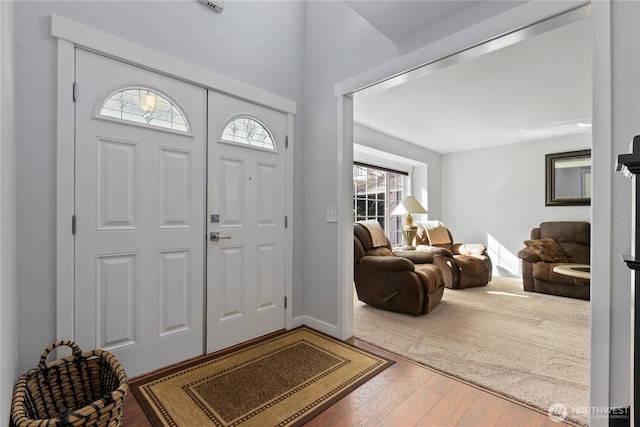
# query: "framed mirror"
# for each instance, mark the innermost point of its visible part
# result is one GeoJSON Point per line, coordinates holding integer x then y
{"type": "Point", "coordinates": [568, 178]}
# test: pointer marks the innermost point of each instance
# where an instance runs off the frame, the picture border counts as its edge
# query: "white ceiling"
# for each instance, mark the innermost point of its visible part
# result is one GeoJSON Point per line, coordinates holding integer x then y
{"type": "Point", "coordinates": [534, 89]}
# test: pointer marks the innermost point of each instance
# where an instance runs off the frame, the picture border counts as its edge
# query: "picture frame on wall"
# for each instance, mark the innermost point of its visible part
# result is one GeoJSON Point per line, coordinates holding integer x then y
{"type": "Point", "coordinates": [568, 178]}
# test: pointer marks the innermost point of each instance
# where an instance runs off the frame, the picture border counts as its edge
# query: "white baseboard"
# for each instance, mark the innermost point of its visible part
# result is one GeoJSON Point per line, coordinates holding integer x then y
{"type": "Point", "coordinates": [316, 324]}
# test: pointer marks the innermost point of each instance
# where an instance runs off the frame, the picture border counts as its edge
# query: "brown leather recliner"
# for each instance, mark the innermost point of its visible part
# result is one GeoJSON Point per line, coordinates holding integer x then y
{"type": "Point", "coordinates": [463, 265]}
{"type": "Point", "coordinates": [410, 284]}
{"type": "Point", "coordinates": [574, 240]}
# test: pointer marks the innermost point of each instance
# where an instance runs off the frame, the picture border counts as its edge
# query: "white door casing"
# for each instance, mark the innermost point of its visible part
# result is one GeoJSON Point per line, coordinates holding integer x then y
{"type": "Point", "coordinates": [246, 190]}
{"type": "Point", "coordinates": [139, 243]}
{"type": "Point", "coordinates": [70, 36]}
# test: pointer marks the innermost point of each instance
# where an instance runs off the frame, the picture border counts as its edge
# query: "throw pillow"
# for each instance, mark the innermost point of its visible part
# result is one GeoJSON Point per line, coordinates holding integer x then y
{"type": "Point", "coordinates": [547, 249]}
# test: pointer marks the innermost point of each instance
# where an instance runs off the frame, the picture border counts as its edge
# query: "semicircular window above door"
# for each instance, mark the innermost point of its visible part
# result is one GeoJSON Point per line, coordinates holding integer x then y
{"type": "Point", "coordinates": [248, 131]}
{"type": "Point", "coordinates": [144, 106]}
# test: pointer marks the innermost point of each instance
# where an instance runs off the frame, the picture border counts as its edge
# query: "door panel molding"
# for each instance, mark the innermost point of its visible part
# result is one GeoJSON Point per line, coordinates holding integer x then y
{"type": "Point", "coordinates": [175, 286]}
{"type": "Point", "coordinates": [175, 189]}
{"type": "Point", "coordinates": [123, 185]}
{"type": "Point", "coordinates": [116, 275]}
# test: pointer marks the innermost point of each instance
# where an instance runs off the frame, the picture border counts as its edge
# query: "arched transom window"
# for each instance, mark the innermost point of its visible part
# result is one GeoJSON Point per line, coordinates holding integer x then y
{"type": "Point", "coordinates": [144, 106]}
{"type": "Point", "coordinates": [248, 131]}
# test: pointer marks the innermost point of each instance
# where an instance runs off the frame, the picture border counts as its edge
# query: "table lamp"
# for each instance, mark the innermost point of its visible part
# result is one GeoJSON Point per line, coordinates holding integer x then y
{"type": "Point", "coordinates": [409, 205]}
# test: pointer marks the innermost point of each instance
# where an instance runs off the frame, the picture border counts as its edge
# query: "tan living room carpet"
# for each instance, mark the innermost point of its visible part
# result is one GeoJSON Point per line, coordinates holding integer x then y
{"type": "Point", "coordinates": [281, 381]}
{"type": "Point", "coordinates": [531, 347]}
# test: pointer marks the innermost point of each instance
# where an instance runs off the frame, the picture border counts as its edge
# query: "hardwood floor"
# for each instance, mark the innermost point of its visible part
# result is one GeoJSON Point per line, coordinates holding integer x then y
{"type": "Point", "coordinates": [408, 394]}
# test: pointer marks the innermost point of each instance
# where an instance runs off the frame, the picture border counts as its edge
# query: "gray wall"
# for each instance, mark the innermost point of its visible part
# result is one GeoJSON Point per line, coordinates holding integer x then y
{"type": "Point", "coordinates": [259, 43]}
{"type": "Point", "coordinates": [496, 195]}
{"type": "Point", "coordinates": [8, 314]}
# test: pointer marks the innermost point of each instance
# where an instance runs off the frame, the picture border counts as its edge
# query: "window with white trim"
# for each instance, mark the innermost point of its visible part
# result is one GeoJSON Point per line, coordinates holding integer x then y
{"type": "Point", "coordinates": [376, 192]}
{"type": "Point", "coordinates": [145, 107]}
{"type": "Point", "coordinates": [248, 131]}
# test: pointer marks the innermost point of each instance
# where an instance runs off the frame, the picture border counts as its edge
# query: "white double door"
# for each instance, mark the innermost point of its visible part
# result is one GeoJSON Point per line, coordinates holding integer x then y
{"type": "Point", "coordinates": [150, 284]}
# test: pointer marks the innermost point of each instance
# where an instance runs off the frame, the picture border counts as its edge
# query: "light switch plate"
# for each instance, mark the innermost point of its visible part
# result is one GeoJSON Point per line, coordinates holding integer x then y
{"type": "Point", "coordinates": [332, 214]}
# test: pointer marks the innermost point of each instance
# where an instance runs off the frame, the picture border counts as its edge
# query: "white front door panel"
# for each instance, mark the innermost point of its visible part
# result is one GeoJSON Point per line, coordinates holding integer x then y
{"type": "Point", "coordinates": [246, 266]}
{"type": "Point", "coordinates": [140, 191]}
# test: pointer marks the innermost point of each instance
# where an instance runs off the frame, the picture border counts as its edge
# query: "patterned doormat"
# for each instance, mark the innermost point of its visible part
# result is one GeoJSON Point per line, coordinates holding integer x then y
{"type": "Point", "coordinates": [281, 381]}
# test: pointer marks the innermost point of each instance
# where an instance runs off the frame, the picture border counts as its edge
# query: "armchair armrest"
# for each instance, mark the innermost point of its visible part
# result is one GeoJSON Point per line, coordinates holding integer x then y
{"type": "Point", "coordinates": [528, 255]}
{"type": "Point", "coordinates": [435, 250]}
{"type": "Point", "coordinates": [388, 263]}
{"type": "Point", "coordinates": [416, 257]}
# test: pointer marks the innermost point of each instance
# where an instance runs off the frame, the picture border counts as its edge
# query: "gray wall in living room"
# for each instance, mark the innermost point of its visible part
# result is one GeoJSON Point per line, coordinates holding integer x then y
{"type": "Point", "coordinates": [495, 196]}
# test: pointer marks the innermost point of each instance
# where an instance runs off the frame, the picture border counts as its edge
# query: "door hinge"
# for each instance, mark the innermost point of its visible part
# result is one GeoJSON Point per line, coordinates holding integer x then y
{"type": "Point", "coordinates": [285, 303]}
{"type": "Point", "coordinates": [286, 221]}
{"type": "Point", "coordinates": [74, 92]}
{"type": "Point", "coordinates": [73, 224]}
{"type": "Point", "coordinates": [286, 141]}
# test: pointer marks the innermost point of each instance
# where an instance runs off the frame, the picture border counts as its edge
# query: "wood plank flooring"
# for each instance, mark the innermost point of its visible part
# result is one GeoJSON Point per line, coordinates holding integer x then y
{"type": "Point", "coordinates": [408, 394]}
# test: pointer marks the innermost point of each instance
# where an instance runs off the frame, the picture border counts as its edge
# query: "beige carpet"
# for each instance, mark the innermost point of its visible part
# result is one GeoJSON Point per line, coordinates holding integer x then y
{"type": "Point", "coordinates": [531, 347]}
{"type": "Point", "coordinates": [281, 381]}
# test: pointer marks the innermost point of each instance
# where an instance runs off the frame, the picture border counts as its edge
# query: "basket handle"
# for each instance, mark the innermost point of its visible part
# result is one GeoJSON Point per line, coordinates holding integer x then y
{"type": "Point", "coordinates": [77, 352]}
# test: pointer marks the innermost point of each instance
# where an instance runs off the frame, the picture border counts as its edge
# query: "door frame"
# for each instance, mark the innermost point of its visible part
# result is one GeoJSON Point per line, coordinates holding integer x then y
{"type": "Point", "coordinates": [71, 35]}
{"type": "Point", "coordinates": [601, 255]}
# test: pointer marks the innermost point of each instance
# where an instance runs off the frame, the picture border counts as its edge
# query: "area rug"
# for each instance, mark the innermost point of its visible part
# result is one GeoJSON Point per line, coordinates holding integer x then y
{"type": "Point", "coordinates": [282, 381]}
{"type": "Point", "coordinates": [530, 347]}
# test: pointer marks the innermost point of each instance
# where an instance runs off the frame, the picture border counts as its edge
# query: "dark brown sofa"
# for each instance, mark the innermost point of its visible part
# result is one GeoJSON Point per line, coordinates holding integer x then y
{"type": "Point", "coordinates": [462, 265]}
{"type": "Point", "coordinates": [406, 284]}
{"type": "Point", "coordinates": [574, 240]}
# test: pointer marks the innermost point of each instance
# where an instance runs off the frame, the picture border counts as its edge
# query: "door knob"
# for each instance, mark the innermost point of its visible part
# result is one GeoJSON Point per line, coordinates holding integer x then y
{"type": "Point", "coordinates": [214, 236]}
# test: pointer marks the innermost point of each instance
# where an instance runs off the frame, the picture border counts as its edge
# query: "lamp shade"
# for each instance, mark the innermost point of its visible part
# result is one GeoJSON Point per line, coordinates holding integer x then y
{"type": "Point", "coordinates": [409, 205]}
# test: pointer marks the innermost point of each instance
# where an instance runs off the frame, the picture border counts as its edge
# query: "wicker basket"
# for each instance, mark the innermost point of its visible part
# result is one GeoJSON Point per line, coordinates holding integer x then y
{"type": "Point", "coordinates": [84, 389]}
